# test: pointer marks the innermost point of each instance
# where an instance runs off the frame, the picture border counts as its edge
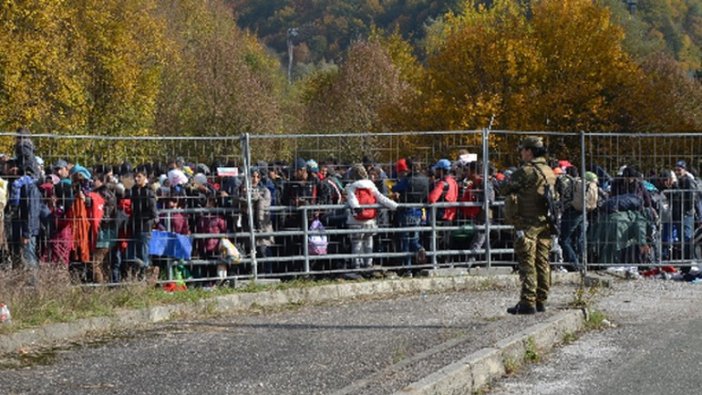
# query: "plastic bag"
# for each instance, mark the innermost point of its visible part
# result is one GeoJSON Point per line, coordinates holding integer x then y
{"type": "Point", "coordinates": [180, 274]}
{"type": "Point", "coordinates": [317, 239]}
{"type": "Point", "coordinates": [229, 252]}
{"type": "Point", "coordinates": [5, 317]}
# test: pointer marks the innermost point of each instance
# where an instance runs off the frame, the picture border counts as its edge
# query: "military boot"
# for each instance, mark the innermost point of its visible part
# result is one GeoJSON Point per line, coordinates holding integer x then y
{"type": "Point", "coordinates": [521, 308]}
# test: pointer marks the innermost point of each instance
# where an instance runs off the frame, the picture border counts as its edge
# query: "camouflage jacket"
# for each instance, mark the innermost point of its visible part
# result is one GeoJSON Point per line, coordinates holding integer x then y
{"type": "Point", "coordinates": [528, 185]}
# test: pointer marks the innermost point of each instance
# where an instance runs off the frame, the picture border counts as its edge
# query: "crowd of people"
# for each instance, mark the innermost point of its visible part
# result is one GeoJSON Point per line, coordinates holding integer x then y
{"type": "Point", "coordinates": [98, 220]}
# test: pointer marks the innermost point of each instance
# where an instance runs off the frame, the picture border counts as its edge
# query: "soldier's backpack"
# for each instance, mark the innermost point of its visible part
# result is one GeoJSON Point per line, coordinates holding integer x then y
{"type": "Point", "coordinates": [553, 208]}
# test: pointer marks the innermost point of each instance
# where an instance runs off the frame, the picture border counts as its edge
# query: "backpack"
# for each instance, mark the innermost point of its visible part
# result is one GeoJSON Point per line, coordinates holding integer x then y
{"type": "Point", "coordinates": [553, 207]}
{"type": "Point", "coordinates": [565, 186]}
{"type": "Point", "coordinates": [329, 192]}
{"type": "Point", "coordinates": [317, 239]}
{"type": "Point", "coordinates": [591, 195]}
{"type": "Point", "coordinates": [365, 197]}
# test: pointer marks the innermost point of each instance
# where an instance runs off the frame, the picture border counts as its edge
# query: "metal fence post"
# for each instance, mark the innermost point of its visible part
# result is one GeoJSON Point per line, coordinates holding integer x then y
{"type": "Point", "coordinates": [306, 236]}
{"type": "Point", "coordinates": [169, 261]}
{"type": "Point", "coordinates": [246, 151]}
{"type": "Point", "coordinates": [583, 229]}
{"type": "Point", "coordinates": [486, 195]}
{"type": "Point", "coordinates": [433, 236]}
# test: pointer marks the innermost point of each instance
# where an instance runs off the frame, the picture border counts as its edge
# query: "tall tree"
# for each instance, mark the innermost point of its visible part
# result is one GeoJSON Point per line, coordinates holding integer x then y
{"type": "Point", "coordinates": [223, 81]}
{"type": "Point", "coordinates": [549, 64]}
{"type": "Point", "coordinates": [41, 79]}
{"type": "Point", "coordinates": [355, 98]}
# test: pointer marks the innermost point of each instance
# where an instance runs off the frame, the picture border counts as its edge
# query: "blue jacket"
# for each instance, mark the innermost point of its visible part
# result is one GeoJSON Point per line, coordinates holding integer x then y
{"type": "Point", "coordinates": [25, 198]}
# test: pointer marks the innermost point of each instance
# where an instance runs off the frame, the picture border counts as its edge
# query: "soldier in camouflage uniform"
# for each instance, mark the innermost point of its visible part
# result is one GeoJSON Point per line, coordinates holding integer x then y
{"type": "Point", "coordinates": [532, 231]}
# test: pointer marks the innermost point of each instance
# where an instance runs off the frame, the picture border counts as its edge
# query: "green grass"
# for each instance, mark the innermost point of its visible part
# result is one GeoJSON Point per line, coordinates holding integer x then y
{"type": "Point", "coordinates": [584, 296]}
{"type": "Point", "coordinates": [569, 337]}
{"type": "Point", "coordinates": [595, 320]}
{"type": "Point", "coordinates": [511, 366]}
{"type": "Point", "coordinates": [54, 298]}
{"type": "Point", "coordinates": [531, 354]}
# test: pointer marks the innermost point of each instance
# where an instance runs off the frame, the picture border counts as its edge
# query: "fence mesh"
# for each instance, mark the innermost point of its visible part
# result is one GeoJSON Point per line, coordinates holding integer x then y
{"type": "Point", "coordinates": [207, 210]}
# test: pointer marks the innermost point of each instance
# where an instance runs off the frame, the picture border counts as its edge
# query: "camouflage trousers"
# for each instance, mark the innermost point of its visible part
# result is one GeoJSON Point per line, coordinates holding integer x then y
{"type": "Point", "coordinates": [532, 246]}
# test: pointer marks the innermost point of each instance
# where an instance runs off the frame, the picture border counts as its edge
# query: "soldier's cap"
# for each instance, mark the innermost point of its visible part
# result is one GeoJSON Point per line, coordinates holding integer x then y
{"type": "Point", "coordinates": [531, 142]}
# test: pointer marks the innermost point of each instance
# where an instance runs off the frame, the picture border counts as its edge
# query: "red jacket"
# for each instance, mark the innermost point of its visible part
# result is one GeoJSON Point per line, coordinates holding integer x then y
{"type": "Point", "coordinates": [471, 194]}
{"type": "Point", "coordinates": [445, 190]}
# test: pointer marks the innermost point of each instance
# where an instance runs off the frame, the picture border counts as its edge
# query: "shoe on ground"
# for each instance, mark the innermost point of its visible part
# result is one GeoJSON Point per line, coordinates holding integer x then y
{"type": "Point", "coordinates": [352, 276]}
{"type": "Point", "coordinates": [377, 274]}
{"type": "Point", "coordinates": [421, 257]}
{"type": "Point", "coordinates": [540, 307]}
{"type": "Point", "coordinates": [520, 308]}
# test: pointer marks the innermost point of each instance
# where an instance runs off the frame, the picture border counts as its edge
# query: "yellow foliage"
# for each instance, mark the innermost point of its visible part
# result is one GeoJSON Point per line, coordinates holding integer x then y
{"type": "Point", "coordinates": [558, 64]}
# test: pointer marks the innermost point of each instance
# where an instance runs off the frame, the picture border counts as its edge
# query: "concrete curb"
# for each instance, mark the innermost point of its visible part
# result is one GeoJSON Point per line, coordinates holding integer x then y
{"type": "Point", "coordinates": [53, 334]}
{"type": "Point", "coordinates": [480, 368]}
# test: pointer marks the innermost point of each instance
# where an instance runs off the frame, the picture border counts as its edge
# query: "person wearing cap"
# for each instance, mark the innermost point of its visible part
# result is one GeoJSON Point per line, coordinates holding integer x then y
{"type": "Point", "coordinates": [683, 208]}
{"type": "Point", "coordinates": [445, 190]}
{"type": "Point", "coordinates": [60, 168]}
{"type": "Point", "coordinates": [532, 243]}
{"type": "Point", "coordinates": [412, 188]}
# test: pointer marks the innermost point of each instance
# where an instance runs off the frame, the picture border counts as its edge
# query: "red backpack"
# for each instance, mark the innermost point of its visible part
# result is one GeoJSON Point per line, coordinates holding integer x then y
{"type": "Point", "coordinates": [365, 197]}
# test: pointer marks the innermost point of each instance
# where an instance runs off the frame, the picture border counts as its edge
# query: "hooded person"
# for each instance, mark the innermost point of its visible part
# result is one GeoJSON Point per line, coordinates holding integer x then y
{"type": "Point", "coordinates": [362, 193]}
{"type": "Point", "coordinates": [24, 154]}
{"type": "Point", "coordinates": [176, 177]}
{"type": "Point", "coordinates": [25, 201]}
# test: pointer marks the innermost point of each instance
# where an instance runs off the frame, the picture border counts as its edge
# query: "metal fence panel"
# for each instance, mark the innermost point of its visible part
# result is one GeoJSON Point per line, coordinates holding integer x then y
{"type": "Point", "coordinates": [655, 236]}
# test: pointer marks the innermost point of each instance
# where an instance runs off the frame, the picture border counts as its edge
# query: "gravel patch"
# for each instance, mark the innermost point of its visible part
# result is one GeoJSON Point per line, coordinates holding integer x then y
{"type": "Point", "coordinates": [651, 348]}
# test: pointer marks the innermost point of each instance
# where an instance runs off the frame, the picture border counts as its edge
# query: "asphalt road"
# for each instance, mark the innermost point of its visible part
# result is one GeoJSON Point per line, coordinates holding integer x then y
{"type": "Point", "coordinates": [377, 346]}
{"type": "Point", "coordinates": [372, 346]}
{"type": "Point", "coordinates": [654, 348]}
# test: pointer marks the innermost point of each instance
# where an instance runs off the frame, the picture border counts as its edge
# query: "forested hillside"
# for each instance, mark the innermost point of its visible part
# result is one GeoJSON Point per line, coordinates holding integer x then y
{"type": "Point", "coordinates": [323, 29]}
